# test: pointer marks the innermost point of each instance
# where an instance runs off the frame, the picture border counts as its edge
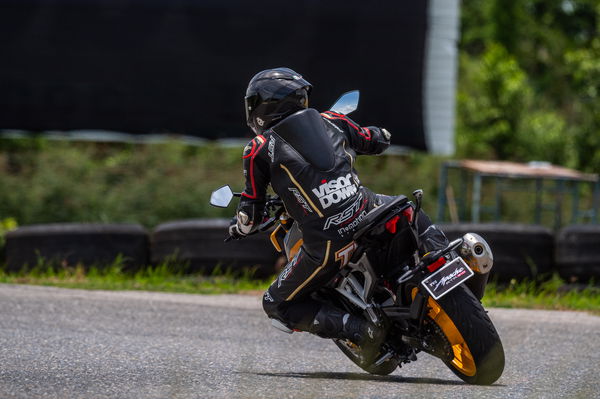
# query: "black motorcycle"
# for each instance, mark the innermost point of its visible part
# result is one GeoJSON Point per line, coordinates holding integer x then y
{"type": "Point", "coordinates": [427, 302]}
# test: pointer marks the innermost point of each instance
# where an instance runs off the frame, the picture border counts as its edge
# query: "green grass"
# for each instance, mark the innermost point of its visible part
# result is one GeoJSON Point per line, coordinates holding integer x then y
{"type": "Point", "coordinates": [167, 277]}
{"type": "Point", "coordinates": [553, 294]}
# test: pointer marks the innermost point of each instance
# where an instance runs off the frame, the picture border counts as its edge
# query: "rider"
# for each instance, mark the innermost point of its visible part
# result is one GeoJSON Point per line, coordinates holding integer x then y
{"type": "Point", "coordinates": [308, 158]}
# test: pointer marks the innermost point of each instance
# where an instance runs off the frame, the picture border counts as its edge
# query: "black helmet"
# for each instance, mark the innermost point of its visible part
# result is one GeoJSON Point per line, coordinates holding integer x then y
{"type": "Point", "coordinates": [274, 94]}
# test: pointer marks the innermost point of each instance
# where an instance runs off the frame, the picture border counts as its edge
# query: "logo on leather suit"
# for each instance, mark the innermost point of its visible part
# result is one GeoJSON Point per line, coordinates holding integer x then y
{"type": "Point", "coordinates": [268, 297]}
{"type": "Point", "coordinates": [336, 190]}
{"type": "Point", "coordinates": [271, 148]}
{"type": "Point", "coordinates": [288, 270]}
{"type": "Point", "coordinates": [300, 200]}
{"type": "Point", "coordinates": [347, 215]}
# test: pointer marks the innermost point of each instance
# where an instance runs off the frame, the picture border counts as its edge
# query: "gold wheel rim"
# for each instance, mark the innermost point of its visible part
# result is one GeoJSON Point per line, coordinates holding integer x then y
{"type": "Point", "coordinates": [463, 359]}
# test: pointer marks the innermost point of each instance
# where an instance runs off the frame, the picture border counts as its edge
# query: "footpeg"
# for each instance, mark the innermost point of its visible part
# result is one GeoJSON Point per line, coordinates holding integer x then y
{"type": "Point", "coordinates": [383, 358]}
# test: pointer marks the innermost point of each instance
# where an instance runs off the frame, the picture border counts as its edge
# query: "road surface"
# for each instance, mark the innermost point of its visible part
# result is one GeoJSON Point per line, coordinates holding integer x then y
{"type": "Point", "coordinates": [60, 343]}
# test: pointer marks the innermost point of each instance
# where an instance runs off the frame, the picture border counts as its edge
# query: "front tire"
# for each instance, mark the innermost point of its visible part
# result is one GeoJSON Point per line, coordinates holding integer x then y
{"type": "Point", "coordinates": [352, 352]}
{"type": "Point", "coordinates": [477, 352]}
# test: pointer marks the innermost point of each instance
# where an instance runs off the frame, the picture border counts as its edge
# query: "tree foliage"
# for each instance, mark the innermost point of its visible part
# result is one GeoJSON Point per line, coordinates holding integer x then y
{"type": "Point", "coordinates": [529, 81]}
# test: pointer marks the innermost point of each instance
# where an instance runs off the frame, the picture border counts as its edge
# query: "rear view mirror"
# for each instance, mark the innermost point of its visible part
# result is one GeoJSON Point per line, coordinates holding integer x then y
{"type": "Point", "coordinates": [221, 197]}
{"type": "Point", "coordinates": [348, 102]}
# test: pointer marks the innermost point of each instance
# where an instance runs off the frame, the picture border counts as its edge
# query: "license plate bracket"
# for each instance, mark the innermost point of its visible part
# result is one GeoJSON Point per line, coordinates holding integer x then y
{"type": "Point", "coordinates": [447, 278]}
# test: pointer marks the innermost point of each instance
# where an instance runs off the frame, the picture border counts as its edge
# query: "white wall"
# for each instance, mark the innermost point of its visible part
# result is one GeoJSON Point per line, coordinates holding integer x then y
{"type": "Point", "coordinates": [441, 61]}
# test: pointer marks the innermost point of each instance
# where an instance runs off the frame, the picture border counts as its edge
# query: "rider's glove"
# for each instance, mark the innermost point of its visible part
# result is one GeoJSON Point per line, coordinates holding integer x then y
{"type": "Point", "coordinates": [241, 225]}
{"type": "Point", "coordinates": [234, 232]}
{"type": "Point", "coordinates": [387, 135]}
{"type": "Point", "coordinates": [380, 140]}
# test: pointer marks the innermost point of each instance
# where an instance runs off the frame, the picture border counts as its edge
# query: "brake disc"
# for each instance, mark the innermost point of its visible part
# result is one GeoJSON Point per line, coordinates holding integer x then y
{"type": "Point", "coordinates": [435, 342]}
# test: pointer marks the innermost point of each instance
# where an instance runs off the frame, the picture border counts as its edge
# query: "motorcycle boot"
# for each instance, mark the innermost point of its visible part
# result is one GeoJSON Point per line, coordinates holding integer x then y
{"type": "Point", "coordinates": [332, 322]}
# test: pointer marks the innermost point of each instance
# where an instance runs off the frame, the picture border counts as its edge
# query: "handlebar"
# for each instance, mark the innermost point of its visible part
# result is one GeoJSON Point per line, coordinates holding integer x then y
{"type": "Point", "coordinates": [272, 204]}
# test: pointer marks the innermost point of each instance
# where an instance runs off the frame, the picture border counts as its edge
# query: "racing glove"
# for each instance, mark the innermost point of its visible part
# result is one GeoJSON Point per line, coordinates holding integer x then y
{"type": "Point", "coordinates": [387, 135]}
{"type": "Point", "coordinates": [382, 140]}
{"type": "Point", "coordinates": [241, 226]}
{"type": "Point", "coordinates": [234, 232]}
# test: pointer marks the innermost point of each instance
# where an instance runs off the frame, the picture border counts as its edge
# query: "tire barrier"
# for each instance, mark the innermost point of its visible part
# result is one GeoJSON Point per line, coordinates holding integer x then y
{"type": "Point", "coordinates": [578, 253]}
{"type": "Point", "coordinates": [199, 244]}
{"type": "Point", "coordinates": [70, 244]}
{"type": "Point", "coordinates": [520, 251]}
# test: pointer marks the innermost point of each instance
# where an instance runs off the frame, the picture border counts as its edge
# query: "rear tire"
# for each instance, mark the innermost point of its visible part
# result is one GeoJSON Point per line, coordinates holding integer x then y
{"type": "Point", "coordinates": [480, 339]}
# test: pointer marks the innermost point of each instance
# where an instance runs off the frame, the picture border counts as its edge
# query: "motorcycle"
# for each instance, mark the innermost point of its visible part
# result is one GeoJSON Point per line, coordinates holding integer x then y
{"type": "Point", "coordinates": [427, 302]}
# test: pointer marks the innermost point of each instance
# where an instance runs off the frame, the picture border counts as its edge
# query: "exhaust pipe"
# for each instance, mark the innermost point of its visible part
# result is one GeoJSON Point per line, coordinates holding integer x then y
{"type": "Point", "coordinates": [478, 255]}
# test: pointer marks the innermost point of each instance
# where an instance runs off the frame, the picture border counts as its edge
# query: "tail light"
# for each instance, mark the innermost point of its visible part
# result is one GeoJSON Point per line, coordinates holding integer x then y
{"type": "Point", "coordinates": [390, 225]}
{"type": "Point", "coordinates": [408, 213]}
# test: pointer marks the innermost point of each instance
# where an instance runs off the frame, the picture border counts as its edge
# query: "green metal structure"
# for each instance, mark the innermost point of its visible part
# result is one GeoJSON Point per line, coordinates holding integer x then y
{"type": "Point", "coordinates": [500, 178]}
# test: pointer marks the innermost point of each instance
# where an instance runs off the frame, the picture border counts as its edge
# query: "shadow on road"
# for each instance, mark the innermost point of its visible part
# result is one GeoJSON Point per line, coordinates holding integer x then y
{"type": "Point", "coordinates": [359, 377]}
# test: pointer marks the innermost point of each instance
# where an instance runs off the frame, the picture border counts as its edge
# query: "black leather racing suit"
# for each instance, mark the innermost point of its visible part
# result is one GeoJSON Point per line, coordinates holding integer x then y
{"type": "Point", "coordinates": [308, 158]}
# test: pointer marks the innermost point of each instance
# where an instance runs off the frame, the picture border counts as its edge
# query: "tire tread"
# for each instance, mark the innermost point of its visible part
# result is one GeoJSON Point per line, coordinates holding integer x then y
{"type": "Point", "coordinates": [471, 319]}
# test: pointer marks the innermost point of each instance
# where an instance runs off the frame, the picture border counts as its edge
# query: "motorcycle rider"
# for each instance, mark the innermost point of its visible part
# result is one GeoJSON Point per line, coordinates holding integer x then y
{"type": "Point", "coordinates": [308, 159]}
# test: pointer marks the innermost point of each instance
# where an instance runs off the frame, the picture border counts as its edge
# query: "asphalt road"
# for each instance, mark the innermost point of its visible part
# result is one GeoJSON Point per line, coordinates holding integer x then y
{"type": "Point", "coordinates": [58, 343]}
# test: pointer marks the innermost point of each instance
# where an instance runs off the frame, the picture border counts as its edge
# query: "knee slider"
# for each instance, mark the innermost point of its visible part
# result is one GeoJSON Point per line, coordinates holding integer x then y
{"type": "Point", "coordinates": [270, 306]}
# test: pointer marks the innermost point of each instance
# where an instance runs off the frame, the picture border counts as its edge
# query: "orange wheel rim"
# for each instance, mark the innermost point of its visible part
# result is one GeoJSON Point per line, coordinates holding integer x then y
{"type": "Point", "coordinates": [463, 359]}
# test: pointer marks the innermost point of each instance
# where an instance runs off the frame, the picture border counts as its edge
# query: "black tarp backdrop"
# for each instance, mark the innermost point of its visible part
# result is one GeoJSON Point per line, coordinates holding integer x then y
{"type": "Point", "coordinates": [182, 66]}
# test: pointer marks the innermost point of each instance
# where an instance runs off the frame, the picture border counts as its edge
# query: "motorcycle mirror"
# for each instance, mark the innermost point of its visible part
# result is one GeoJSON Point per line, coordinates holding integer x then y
{"type": "Point", "coordinates": [221, 197]}
{"type": "Point", "coordinates": [347, 103]}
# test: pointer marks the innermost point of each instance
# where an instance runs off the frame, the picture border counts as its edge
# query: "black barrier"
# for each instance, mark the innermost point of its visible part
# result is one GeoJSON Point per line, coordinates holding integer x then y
{"type": "Point", "coordinates": [148, 66]}
{"type": "Point", "coordinates": [69, 244]}
{"type": "Point", "coordinates": [520, 251]}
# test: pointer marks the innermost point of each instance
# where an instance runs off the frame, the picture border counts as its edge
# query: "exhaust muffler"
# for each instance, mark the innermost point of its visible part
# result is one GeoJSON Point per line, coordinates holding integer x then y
{"type": "Point", "coordinates": [478, 255]}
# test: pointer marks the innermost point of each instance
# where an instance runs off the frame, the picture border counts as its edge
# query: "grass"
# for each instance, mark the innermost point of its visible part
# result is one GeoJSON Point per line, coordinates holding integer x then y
{"type": "Point", "coordinates": [552, 293]}
{"type": "Point", "coordinates": [165, 277]}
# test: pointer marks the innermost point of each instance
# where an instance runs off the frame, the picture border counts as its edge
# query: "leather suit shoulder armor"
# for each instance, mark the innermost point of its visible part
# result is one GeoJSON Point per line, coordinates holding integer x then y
{"type": "Point", "coordinates": [307, 133]}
